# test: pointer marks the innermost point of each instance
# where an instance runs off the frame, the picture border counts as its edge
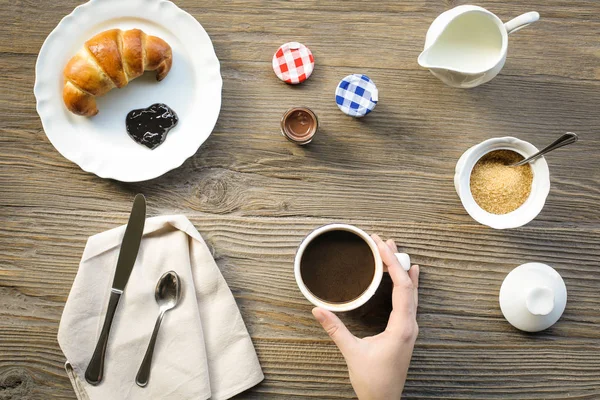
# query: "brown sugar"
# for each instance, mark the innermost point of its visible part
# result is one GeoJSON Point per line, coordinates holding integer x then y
{"type": "Point", "coordinates": [497, 187]}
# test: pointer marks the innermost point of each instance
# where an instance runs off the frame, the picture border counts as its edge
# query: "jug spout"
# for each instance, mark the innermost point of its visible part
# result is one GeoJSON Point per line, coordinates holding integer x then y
{"type": "Point", "coordinates": [424, 61]}
{"type": "Point", "coordinates": [432, 59]}
{"type": "Point", "coordinates": [428, 59]}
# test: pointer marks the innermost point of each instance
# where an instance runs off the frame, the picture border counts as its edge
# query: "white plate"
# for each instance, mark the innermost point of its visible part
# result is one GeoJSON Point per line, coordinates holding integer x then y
{"type": "Point", "coordinates": [192, 88]}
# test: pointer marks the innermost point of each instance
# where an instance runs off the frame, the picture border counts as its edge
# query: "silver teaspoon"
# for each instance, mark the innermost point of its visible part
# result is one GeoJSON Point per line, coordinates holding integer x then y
{"type": "Point", "coordinates": [167, 294]}
{"type": "Point", "coordinates": [564, 140]}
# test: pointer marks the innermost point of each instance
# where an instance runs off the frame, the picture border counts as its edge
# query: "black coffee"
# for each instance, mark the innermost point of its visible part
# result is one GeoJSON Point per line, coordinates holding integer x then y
{"type": "Point", "coordinates": [337, 266]}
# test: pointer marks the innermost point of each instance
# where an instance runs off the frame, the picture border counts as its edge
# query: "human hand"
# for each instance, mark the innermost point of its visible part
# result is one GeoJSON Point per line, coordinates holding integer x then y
{"type": "Point", "coordinates": [378, 364]}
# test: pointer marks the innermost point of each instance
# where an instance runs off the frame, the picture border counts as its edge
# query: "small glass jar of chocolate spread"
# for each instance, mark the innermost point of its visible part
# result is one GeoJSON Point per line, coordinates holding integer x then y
{"type": "Point", "coordinates": [299, 125]}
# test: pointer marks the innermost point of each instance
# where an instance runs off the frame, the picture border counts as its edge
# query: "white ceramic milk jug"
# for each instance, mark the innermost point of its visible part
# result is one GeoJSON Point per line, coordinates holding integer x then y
{"type": "Point", "coordinates": [466, 46]}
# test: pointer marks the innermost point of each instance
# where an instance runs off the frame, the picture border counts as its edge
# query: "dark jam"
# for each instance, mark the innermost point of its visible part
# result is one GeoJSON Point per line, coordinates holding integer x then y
{"type": "Point", "coordinates": [149, 126]}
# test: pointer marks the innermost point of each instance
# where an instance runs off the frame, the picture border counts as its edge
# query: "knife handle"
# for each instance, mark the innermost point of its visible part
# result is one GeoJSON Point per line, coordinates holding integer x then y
{"type": "Point", "coordinates": [95, 369]}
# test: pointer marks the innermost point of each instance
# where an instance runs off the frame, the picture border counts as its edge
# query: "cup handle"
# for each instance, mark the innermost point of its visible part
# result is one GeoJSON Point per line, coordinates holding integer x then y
{"type": "Point", "coordinates": [521, 21]}
{"type": "Point", "coordinates": [404, 260]}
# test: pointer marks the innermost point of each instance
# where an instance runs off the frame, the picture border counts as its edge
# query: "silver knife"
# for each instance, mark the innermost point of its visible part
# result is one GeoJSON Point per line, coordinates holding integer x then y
{"type": "Point", "coordinates": [125, 262]}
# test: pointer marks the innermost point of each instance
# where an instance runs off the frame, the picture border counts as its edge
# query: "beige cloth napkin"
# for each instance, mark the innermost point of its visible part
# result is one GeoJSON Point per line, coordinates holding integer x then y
{"type": "Point", "coordinates": [203, 349]}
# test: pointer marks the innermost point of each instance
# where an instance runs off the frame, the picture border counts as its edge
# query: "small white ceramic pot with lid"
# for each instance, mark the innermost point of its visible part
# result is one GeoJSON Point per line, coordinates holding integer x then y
{"type": "Point", "coordinates": [540, 186]}
{"type": "Point", "coordinates": [533, 297]}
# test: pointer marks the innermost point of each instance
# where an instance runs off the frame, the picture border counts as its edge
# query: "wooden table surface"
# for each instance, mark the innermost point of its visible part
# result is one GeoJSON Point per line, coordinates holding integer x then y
{"type": "Point", "coordinates": [253, 195]}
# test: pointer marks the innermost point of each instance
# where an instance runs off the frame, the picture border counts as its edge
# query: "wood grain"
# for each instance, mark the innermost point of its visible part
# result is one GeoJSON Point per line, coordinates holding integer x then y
{"type": "Point", "coordinates": [254, 196]}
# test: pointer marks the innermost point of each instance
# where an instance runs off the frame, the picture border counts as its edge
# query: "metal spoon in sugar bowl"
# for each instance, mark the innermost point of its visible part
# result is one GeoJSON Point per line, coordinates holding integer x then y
{"type": "Point", "coordinates": [564, 140]}
{"type": "Point", "coordinates": [167, 294]}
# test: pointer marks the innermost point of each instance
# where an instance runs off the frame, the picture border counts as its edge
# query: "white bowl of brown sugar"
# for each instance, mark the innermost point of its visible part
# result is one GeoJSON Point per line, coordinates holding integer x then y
{"type": "Point", "coordinates": [499, 195]}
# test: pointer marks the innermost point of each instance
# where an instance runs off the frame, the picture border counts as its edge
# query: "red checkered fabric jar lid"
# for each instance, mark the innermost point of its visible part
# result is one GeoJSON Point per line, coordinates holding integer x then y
{"type": "Point", "coordinates": [293, 62]}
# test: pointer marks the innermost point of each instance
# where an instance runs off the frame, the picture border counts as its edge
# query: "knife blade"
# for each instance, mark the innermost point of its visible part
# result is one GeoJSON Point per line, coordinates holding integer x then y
{"type": "Point", "coordinates": [131, 243]}
{"type": "Point", "coordinates": [127, 255]}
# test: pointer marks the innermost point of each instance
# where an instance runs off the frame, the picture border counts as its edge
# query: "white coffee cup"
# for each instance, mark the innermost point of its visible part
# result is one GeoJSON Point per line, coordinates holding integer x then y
{"type": "Point", "coordinates": [403, 258]}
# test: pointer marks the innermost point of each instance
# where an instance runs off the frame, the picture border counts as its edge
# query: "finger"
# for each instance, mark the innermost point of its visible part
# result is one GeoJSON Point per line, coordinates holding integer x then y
{"type": "Point", "coordinates": [392, 245]}
{"type": "Point", "coordinates": [336, 329]}
{"type": "Point", "coordinates": [413, 274]}
{"type": "Point", "coordinates": [403, 294]}
{"type": "Point", "coordinates": [414, 277]}
{"type": "Point", "coordinates": [403, 300]}
{"type": "Point", "coordinates": [398, 274]}
{"type": "Point", "coordinates": [378, 239]}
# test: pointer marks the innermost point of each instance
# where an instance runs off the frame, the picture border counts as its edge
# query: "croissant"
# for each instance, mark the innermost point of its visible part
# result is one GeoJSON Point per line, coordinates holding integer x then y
{"type": "Point", "coordinates": [111, 59]}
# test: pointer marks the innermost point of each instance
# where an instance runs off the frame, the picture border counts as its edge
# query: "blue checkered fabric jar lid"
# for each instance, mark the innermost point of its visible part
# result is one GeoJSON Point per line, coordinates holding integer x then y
{"type": "Point", "coordinates": [356, 95]}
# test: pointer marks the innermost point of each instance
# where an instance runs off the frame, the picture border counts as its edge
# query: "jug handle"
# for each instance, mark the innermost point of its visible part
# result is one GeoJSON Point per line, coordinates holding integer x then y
{"type": "Point", "coordinates": [521, 21]}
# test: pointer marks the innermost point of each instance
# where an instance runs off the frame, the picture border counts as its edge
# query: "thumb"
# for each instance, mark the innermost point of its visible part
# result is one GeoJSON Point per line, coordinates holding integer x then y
{"type": "Point", "coordinates": [336, 329]}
